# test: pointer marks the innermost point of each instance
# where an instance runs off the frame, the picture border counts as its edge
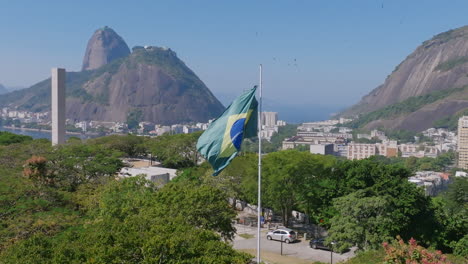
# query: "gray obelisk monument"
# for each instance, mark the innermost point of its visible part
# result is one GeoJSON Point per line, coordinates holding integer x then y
{"type": "Point", "coordinates": [58, 106]}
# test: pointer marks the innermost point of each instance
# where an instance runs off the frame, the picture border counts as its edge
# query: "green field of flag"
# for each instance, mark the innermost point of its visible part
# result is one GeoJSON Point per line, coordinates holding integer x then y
{"type": "Point", "coordinates": [221, 142]}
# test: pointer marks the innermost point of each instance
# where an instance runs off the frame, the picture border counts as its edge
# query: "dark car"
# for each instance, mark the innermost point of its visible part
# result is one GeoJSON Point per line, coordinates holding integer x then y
{"type": "Point", "coordinates": [319, 243]}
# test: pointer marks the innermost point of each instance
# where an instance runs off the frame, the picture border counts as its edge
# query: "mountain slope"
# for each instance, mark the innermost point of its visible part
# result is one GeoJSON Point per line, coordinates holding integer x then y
{"type": "Point", "coordinates": [153, 81]}
{"type": "Point", "coordinates": [439, 63]}
{"type": "Point", "coordinates": [428, 86]}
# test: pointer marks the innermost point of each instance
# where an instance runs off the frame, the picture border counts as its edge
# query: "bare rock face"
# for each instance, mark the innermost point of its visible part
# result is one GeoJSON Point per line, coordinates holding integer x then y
{"type": "Point", "coordinates": [153, 81]}
{"type": "Point", "coordinates": [438, 64]}
{"type": "Point", "coordinates": [104, 46]}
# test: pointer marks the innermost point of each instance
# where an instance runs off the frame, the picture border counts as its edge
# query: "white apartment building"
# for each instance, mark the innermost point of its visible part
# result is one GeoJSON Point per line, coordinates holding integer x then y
{"type": "Point", "coordinates": [360, 151]}
{"type": "Point", "coordinates": [280, 123]}
{"type": "Point", "coordinates": [269, 119]}
{"type": "Point", "coordinates": [161, 130]}
{"type": "Point", "coordinates": [323, 149]}
{"type": "Point", "coordinates": [268, 132]}
{"type": "Point", "coordinates": [388, 148]}
{"type": "Point", "coordinates": [463, 142]}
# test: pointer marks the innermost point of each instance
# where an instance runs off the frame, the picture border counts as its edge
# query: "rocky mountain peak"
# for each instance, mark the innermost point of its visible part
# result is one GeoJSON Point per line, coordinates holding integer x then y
{"type": "Point", "coordinates": [427, 89]}
{"type": "Point", "coordinates": [439, 63]}
{"type": "Point", "coordinates": [104, 46]}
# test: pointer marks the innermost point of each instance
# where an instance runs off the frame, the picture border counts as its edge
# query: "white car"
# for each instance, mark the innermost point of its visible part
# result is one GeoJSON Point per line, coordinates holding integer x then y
{"type": "Point", "coordinates": [282, 234]}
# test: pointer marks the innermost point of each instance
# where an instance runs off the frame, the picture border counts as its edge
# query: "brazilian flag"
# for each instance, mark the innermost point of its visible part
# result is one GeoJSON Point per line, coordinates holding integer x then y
{"type": "Point", "coordinates": [221, 142]}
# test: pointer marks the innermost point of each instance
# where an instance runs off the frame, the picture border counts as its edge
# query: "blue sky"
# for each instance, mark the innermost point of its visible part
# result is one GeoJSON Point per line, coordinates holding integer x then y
{"type": "Point", "coordinates": [323, 53]}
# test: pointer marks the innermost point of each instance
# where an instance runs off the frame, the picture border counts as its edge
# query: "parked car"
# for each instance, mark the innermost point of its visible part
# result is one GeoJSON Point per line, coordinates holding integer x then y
{"type": "Point", "coordinates": [319, 243]}
{"type": "Point", "coordinates": [282, 234]}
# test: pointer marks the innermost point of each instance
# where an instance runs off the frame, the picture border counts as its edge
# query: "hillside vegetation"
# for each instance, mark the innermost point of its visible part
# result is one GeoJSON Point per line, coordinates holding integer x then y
{"type": "Point", "coordinates": [407, 106]}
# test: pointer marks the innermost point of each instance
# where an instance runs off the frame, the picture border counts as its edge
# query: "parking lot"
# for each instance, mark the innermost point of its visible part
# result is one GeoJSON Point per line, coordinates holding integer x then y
{"type": "Point", "coordinates": [300, 249]}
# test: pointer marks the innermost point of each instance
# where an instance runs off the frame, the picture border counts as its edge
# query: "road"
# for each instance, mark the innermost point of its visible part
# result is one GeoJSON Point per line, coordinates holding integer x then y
{"type": "Point", "coordinates": [299, 249]}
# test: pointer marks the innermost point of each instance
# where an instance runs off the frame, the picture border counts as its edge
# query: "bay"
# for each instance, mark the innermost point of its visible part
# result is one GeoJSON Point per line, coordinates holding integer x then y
{"type": "Point", "coordinates": [42, 134]}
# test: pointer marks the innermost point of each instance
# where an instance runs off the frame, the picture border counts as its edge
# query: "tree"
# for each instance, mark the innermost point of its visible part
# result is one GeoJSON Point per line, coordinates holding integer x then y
{"type": "Point", "coordinates": [359, 221]}
{"type": "Point", "coordinates": [450, 210]}
{"type": "Point", "coordinates": [238, 180]}
{"type": "Point", "coordinates": [402, 203]}
{"type": "Point", "coordinates": [457, 195]}
{"type": "Point", "coordinates": [200, 206]}
{"type": "Point", "coordinates": [283, 175]}
{"type": "Point", "coordinates": [176, 151]}
{"type": "Point", "coordinates": [134, 222]}
{"type": "Point", "coordinates": [134, 118]}
{"type": "Point", "coordinates": [75, 164]}
{"type": "Point", "coordinates": [35, 169]}
{"type": "Point", "coordinates": [130, 145]}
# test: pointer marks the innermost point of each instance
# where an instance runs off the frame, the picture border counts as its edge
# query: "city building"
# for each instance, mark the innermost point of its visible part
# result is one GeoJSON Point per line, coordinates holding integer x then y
{"type": "Point", "coordinates": [177, 129]}
{"type": "Point", "coordinates": [155, 174]}
{"type": "Point", "coordinates": [432, 182]}
{"type": "Point", "coordinates": [418, 151]}
{"type": "Point", "coordinates": [269, 119]}
{"type": "Point", "coordinates": [83, 125]}
{"type": "Point", "coordinates": [387, 148]}
{"type": "Point", "coordinates": [360, 151]}
{"type": "Point", "coordinates": [341, 150]}
{"type": "Point", "coordinates": [268, 132]}
{"type": "Point", "coordinates": [161, 130]}
{"type": "Point", "coordinates": [324, 149]}
{"type": "Point", "coordinates": [280, 123]}
{"type": "Point", "coordinates": [343, 120]}
{"type": "Point", "coordinates": [463, 142]}
{"type": "Point", "coordinates": [367, 136]}
{"type": "Point", "coordinates": [378, 134]}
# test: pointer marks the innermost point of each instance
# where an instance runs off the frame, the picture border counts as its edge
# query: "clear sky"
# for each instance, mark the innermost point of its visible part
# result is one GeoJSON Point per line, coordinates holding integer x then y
{"type": "Point", "coordinates": [314, 52]}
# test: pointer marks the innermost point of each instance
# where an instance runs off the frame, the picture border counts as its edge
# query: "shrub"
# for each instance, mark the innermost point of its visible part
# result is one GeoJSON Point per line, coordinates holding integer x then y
{"type": "Point", "coordinates": [398, 252]}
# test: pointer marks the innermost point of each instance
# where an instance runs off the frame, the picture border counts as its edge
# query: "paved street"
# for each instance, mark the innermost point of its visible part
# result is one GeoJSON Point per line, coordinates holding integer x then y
{"type": "Point", "coordinates": [299, 249]}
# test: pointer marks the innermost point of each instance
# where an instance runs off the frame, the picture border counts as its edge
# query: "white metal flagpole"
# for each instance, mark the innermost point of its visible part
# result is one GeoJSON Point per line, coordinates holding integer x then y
{"type": "Point", "coordinates": [259, 209]}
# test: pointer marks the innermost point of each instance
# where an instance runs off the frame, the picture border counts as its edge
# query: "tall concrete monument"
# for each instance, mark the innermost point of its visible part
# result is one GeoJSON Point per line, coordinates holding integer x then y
{"type": "Point", "coordinates": [58, 106]}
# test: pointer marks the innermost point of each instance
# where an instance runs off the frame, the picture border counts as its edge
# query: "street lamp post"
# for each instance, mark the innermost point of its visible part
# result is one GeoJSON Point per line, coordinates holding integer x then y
{"type": "Point", "coordinates": [331, 252]}
{"type": "Point", "coordinates": [281, 245]}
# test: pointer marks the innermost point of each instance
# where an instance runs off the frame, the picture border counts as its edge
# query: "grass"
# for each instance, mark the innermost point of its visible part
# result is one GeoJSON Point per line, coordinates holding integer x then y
{"type": "Point", "coordinates": [246, 236]}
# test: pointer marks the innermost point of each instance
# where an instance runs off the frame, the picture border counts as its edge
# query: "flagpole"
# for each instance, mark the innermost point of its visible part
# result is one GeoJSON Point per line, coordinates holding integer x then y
{"type": "Point", "coordinates": [259, 208]}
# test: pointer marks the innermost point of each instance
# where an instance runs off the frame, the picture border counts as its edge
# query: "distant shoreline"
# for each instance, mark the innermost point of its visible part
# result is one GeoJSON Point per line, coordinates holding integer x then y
{"type": "Point", "coordinates": [46, 130]}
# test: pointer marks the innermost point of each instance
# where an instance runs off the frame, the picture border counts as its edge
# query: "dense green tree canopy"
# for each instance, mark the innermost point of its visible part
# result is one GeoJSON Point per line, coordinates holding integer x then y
{"type": "Point", "coordinates": [85, 215]}
{"type": "Point", "coordinates": [63, 204]}
{"type": "Point", "coordinates": [175, 151]}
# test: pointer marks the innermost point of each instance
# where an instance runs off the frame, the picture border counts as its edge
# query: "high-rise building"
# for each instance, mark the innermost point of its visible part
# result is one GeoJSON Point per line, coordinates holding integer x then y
{"type": "Point", "coordinates": [269, 119]}
{"type": "Point", "coordinates": [463, 142]}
